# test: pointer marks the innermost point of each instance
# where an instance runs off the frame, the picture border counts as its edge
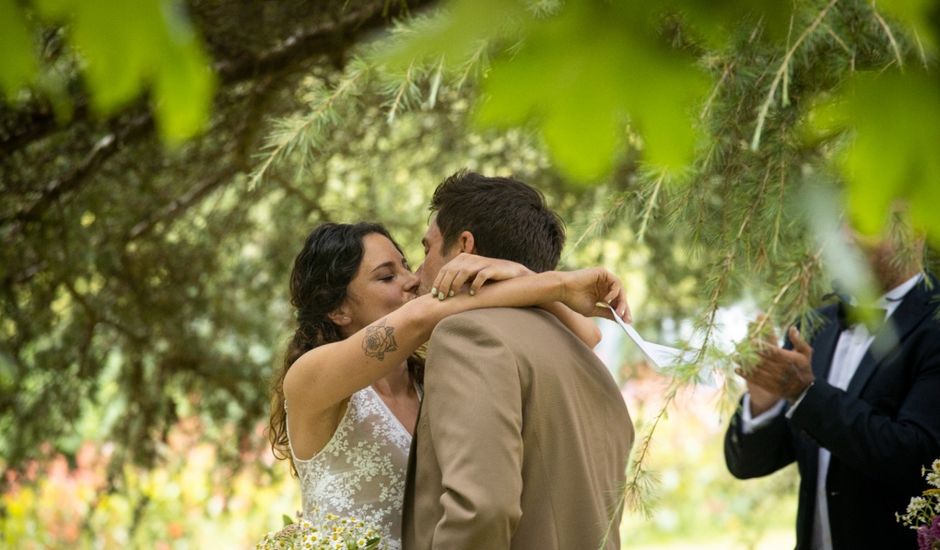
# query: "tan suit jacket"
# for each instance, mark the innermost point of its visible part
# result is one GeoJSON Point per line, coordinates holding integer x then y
{"type": "Point", "coordinates": [522, 439]}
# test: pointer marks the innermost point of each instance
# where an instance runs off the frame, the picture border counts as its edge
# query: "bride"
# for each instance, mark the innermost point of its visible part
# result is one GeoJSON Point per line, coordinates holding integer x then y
{"type": "Point", "coordinates": [346, 402]}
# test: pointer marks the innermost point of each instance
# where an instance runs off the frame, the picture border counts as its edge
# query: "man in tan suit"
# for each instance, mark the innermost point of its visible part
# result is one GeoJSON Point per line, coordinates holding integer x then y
{"type": "Point", "coordinates": [523, 436]}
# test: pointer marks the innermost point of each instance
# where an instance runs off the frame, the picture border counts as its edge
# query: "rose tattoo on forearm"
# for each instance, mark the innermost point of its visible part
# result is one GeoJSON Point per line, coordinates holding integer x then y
{"type": "Point", "coordinates": [378, 340]}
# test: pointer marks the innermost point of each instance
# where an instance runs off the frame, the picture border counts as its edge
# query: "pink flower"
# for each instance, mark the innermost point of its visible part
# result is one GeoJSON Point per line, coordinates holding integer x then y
{"type": "Point", "coordinates": [928, 536]}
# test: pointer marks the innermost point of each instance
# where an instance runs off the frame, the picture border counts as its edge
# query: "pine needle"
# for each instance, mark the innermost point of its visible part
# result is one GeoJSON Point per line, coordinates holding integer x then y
{"type": "Point", "coordinates": [784, 67]}
{"type": "Point", "coordinates": [436, 84]}
{"type": "Point", "coordinates": [894, 43]}
{"type": "Point", "coordinates": [650, 205]}
{"type": "Point", "coordinates": [598, 221]}
{"type": "Point", "coordinates": [920, 48]}
{"type": "Point", "coordinates": [706, 110]}
{"type": "Point", "coordinates": [287, 140]}
{"type": "Point", "coordinates": [402, 94]}
{"type": "Point", "coordinates": [474, 62]}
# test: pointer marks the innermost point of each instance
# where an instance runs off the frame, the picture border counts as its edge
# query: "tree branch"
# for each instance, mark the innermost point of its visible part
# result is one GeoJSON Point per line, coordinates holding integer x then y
{"type": "Point", "coordinates": [321, 39]}
{"type": "Point", "coordinates": [103, 149]}
{"type": "Point", "coordinates": [316, 41]}
{"type": "Point", "coordinates": [179, 206]}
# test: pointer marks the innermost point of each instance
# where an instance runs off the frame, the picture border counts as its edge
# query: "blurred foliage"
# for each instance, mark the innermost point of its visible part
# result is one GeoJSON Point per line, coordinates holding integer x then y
{"type": "Point", "coordinates": [141, 285]}
{"type": "Point", "coordinates": [121, 49]}
{"type": "Point", "coordinates": [595, 77]}
{"type": "Point", "coordinates": [694, 498]}
{"type": "Point", "coordinates": [878, 170]}
{"type": "Point", "coordinates": [188, 500]}
{"type": "Point", "coordinates": [18, 65]}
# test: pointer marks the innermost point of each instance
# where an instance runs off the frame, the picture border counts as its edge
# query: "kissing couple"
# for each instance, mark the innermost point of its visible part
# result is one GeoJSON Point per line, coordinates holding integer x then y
{"type": "Point", "coordinates": [510, 434]}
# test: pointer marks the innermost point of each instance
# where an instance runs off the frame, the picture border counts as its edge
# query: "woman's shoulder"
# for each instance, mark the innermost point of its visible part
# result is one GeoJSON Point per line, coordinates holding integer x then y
{"type": "Point", "coordinates": [303, 379]}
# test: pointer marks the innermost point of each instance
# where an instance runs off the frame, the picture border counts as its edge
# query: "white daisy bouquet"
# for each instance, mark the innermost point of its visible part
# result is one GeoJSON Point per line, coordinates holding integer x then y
{"type": "Point", "coordinates": [335, 533]}
{"type": "Point", "coordinates": [923, 512]}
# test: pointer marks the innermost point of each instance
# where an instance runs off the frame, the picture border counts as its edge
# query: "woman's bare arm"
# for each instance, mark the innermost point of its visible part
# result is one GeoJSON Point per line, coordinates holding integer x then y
{"type": "Point", "coordinates": [321, 379]}
{"type": "Point", "coordinates": [474, 271]}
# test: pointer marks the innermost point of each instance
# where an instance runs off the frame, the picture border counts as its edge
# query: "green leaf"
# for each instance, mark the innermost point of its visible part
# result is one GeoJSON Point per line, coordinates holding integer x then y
{"type": "Point", "coordinates": [287, 520]}
{"type": "Point", "coordinates": [183, 90]}
{"type": "Point", "coordinates": [582, 76]}
{"type": "Point", "coordinates": [587, 72]}
{"type": "Point", "coordinates": [891, 154]}
{"type": "Point", "coordinates": [18, 62]}
{"type": "Point", "coordinates": [128, 46]}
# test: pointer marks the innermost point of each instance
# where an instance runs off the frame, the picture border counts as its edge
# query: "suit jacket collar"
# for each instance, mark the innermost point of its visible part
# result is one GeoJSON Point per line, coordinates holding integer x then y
{"type": "Point", "coordinates": [914, 307]}
{"type": "Point", "coordinates": [824, 343]}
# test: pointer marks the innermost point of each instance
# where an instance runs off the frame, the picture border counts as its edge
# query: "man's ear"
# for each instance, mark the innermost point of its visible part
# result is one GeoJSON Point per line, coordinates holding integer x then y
{"type": "Point", "coordinates": [340, 316]}
{"type": "Point", "coordinates": [465, 243]}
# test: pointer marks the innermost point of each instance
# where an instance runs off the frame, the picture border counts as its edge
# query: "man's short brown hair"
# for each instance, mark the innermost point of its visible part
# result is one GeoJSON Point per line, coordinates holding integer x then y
{"type": "Point", "coordinates": [508, 219]}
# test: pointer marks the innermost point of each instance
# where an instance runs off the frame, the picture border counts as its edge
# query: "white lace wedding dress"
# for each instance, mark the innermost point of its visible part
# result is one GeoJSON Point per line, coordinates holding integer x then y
{"type": "Point", "coordinates": [361, 472]}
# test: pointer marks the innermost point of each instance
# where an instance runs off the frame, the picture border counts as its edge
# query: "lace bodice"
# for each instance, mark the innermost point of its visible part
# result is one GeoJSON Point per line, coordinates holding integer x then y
{"type": "Point", "coordinates": [361, 471]}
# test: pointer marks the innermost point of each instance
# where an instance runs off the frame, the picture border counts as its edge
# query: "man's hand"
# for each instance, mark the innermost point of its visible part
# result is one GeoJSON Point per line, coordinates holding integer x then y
{"type": "Point", "coordinates": [779, 373]}
{"type": "Point", "coordinates": [464, 267]}
{"type": "Point", "coordinates": [584, 288]}
{"type": "Point", "coordinates": [760, 336]}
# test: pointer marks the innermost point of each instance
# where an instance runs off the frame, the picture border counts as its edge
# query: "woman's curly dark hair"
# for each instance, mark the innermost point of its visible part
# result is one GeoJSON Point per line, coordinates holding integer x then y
{"type": "Point", "coordinates": [318, 285]}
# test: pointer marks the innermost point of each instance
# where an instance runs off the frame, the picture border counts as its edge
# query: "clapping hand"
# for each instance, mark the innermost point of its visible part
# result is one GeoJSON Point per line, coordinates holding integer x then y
{"type": "Point", "coordinates": [778, 373]}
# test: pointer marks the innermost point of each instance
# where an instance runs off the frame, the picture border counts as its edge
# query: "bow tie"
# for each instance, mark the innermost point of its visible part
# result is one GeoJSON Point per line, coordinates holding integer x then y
{"type": "Point", "coordinates": [850, 314]}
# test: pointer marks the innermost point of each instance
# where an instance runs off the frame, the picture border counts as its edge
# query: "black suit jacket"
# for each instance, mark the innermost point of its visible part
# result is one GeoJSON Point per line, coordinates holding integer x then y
{"type": "Point", "coordinates": [880, 431]}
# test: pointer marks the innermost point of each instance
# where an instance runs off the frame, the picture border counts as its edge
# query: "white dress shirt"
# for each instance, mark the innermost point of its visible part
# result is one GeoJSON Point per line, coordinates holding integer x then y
{"type": "Point", "coordinates": [853, 342]}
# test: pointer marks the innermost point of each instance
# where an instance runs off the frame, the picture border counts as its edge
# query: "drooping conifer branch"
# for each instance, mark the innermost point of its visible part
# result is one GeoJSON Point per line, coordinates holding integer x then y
{"type": "Point", "coordinates": [782, 71]}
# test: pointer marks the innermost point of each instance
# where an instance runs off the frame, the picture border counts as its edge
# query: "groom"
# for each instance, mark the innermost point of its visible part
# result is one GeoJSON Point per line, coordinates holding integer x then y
{"type": "Point", "coordinates": [523, 436]}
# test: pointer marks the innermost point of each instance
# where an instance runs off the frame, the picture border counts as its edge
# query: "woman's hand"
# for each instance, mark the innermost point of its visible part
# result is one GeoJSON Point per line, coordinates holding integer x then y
{"type": "Point", "coordinates": [584, 288]}
{"type": "Point", "coordinates": [455, 274]}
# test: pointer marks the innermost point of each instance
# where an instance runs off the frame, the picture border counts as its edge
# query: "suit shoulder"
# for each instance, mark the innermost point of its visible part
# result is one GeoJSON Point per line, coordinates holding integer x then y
{"type": "Point", "coordinates": [498, 321]}
{"type": "Point", "coordinates": [491, 316]}
{"type": "Point", "coordinates": [478, 320]}
{"type": "Point", "coordinates": [828, 310]}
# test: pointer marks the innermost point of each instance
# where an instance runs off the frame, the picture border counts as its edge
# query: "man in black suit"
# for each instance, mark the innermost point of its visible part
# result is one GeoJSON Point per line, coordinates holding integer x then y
{"type": "Point", "coordinates": [859, 412]}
